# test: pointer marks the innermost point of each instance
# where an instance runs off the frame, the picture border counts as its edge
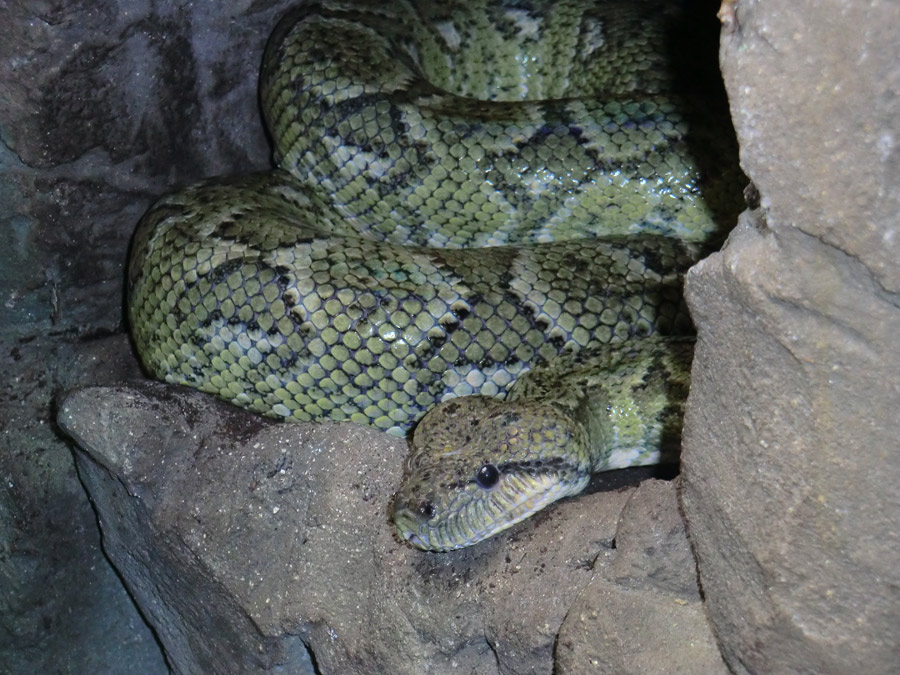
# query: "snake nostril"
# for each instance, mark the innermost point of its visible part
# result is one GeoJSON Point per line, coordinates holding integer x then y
{"type": "Point", "coordinates": [487, 476]}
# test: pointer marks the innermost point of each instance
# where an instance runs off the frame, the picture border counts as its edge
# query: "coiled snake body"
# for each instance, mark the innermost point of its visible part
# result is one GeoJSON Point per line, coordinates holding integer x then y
{"type": "Point", "coordinates": [464, 191]}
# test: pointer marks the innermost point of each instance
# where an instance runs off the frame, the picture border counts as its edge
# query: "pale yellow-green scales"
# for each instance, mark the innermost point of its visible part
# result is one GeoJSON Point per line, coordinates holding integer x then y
{"type": "Point", "coordinates": [466, 190]}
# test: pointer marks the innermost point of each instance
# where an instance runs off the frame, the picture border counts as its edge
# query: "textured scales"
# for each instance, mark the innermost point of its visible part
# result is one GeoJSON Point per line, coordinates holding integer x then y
{"type": "Point", "coordinates": [236, 295]}
{"type": "Point", "coordinates": [596, 410]}
{"type": "Point", "coordinates": [345, 285]}
{"type": "Point", "coordinates": [483, 123]}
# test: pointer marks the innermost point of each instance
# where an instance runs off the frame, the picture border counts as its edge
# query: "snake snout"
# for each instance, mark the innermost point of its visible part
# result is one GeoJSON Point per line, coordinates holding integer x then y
{"type": "Point", "coordinates": [480, 465]}
{"type": "Point", "coordinates": [472, 512]}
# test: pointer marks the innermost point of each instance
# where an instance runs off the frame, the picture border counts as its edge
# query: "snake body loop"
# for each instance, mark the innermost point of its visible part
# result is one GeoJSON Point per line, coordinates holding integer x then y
{"type": "Point", "coordinates": [465, 191]}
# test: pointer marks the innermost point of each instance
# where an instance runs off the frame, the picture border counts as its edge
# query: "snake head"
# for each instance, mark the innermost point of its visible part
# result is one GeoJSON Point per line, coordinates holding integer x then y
{"type": "Point", "coordinates": [480, 465]}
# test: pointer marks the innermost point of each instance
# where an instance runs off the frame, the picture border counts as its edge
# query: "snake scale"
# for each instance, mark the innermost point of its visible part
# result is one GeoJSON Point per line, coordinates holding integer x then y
{"type": "Point", "coordinates": [465, 191]}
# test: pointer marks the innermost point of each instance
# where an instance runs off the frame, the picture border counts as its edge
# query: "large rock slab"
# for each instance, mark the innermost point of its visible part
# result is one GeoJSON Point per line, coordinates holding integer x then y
{"type": "Point", "coordinates": [791, 453]}
{"type": "Point", "coordinates": [243, 539]}
{"type": "Point", "coordinates": [814, 89]}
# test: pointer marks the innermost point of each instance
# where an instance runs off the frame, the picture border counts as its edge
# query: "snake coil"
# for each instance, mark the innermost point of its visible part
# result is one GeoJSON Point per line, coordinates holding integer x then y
{"type": "Point", "coordinates": [465, 191]}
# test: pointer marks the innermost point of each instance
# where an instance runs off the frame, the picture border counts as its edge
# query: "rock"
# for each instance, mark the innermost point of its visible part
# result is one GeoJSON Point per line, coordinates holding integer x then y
{"type": "Point", "coordinates": [790, 460]}
{"type": "Point", "coordinates": [644, 613]}
{"type": "Point", "coordinates": [238, 536]}
{"type": "Point", "coordinates": [104, 107]}
{"type": "Point", "coordinates": [63, 609]}
{"type": "Point", "coordinates": [816, 111]}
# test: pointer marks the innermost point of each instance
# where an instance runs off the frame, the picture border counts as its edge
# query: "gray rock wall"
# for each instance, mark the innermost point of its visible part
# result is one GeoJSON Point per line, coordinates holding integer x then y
{"type": "Point", "coordinates": [792, 439]}
{"type": "Point", "coordinates": [103, 106]}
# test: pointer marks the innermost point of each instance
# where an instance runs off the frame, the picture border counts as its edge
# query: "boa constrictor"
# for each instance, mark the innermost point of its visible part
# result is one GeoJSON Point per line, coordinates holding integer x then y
{"type": "Point", "coordinates": [464, 191]}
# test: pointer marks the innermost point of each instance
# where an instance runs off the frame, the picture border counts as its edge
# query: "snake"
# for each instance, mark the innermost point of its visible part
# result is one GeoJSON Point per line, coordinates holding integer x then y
{"type": "Point", "coordinates": [477, 225]}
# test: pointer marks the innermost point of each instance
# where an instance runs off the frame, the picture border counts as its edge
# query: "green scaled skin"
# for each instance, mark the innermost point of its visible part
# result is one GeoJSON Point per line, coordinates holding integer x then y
{"type": "Point", "coordinates": [464, 191]}
{"type": "Point", "coordinates": [475, 123]}
{"type": "Point", "coordinates": [232, 292]}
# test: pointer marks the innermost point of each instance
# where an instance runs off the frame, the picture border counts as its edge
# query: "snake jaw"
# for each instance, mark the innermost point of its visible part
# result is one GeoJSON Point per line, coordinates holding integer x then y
{"type": "Point", "coordinates": [479, 519]}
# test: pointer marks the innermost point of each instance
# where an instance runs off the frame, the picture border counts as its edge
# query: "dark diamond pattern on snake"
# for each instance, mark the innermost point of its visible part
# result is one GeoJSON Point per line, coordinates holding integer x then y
{"type": "Point", "coordinates": [464, 192]}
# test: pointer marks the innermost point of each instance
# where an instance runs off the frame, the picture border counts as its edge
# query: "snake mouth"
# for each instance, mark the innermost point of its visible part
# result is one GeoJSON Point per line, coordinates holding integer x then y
{"type": "Point", "coordinates": [464, 524]}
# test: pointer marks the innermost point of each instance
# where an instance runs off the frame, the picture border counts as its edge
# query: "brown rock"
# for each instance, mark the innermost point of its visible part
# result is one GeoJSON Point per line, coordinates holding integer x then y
{"type": "Point", "coordinates": [791, 459]}
{"type": "Point", "coordinates": [238, 537]}
{"type": "Point", "coordinates": [642, 614]}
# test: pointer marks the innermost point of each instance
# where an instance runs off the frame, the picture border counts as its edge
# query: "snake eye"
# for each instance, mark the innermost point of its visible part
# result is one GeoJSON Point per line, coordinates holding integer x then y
{"type": "Point", "coordinates": [426, 510]}
{"type": "Point", "coordinates": [487, 476]}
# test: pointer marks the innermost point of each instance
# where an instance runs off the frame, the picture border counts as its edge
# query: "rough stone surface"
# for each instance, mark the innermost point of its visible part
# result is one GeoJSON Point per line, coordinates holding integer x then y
{"type": "Point", "coordinates": [103, 107]}
{"type": "Point", "coordinates": [813, 88]}
{"type": "Point", "coordinates": [62, 607]}
{"type": "Point", "coordinates": [644, 615]}
{"type": "Point", "coordinates": [791, 455]}
{"type": "Point", "coordinates": [239, 537]}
